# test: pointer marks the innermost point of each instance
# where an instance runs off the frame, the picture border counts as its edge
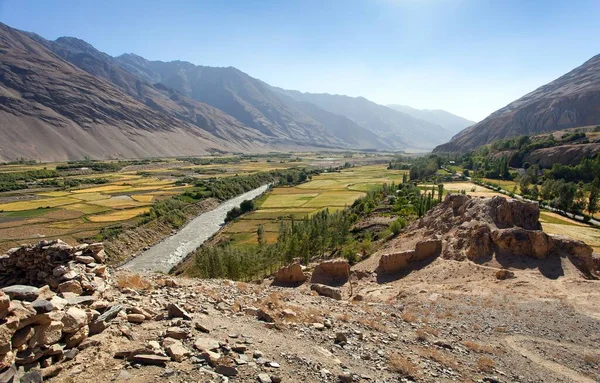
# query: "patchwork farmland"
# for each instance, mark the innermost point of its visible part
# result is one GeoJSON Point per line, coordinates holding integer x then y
{"type": "Point", "coordinates": [331, 190]}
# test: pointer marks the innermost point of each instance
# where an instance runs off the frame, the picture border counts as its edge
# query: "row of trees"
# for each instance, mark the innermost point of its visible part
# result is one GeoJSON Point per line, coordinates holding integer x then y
{"type": "Point", "coordinates": [322, 235]}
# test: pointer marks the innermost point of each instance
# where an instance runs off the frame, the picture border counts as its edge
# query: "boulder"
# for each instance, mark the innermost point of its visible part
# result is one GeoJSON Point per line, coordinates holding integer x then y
{"type": "Point", "coordinates": [74, 319]}
{"type": "Point", "coordinates": [336, 271]}
{"type": "Point", "coordinates": [71, 286]}
{"type": "Point", "coordinates": [226, 370]}
{"type": "Point", "coordinates": [264, 316]}
{"type": "Point", "coordinates": [177, 333]}
{"type": "Point", "coordinates": [291, 275]}
{"type": "Point", "coordinates": [151, 359]}
{"type": "Point", "coordinates": [42, 306]}
{"type": "Point", "coordinates": [136, 318]}
{"type": "Point", "coordinates": [101, 323]}
{"type": "Point", "coordinates": [177, 312]}
{"type": "Point", "coordinates": [427, 249]}
{"type": "Point", "coordinates": [22, 292]}
{"type": "Point", "coordinates": [504, 274]}
{"type": "Point", "coordinates": [176, 351]}
{"type": "Point", "coordinates": [75, 339]}
{"type": "Point", "coordinates": [21, 337]}
{"type": "Point", "coordinates": [46, 334]}
{"type": "Point", "coordinates": [6, 333]}
{"type": "Point", "coordinates": [394, 262]}
{"type": "Point", "coordinates": [327, 291]}
{"type": "Point", "coordinates": [4, 304]}
{"type": "Point", "coordinates": [206, 344]}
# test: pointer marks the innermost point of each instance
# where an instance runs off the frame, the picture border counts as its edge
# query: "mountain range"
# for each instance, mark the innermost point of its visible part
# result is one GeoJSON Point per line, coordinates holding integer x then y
{"type": "Point", "coordinates": [572, 100]}
{"type": "Point", "coordinates": [64, 99]}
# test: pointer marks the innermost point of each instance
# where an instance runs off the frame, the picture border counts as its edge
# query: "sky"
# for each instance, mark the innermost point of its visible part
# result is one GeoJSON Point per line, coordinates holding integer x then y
{"type": "Point", "coordinates": [469, 57]}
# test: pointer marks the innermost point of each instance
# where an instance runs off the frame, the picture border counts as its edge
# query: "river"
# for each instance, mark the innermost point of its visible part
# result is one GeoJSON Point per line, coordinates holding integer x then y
{"type": "Point", "coordinates": [166, 254]}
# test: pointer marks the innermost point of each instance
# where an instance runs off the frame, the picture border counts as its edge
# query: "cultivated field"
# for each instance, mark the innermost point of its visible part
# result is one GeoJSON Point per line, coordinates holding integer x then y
{"type": "Point", "coordinates": [332, 191]}
{"type": "Point", "coordinates": [80, 212]}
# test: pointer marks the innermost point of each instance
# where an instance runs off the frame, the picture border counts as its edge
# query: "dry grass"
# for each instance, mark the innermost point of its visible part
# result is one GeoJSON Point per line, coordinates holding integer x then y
{"type": "Point", "coordinates": [446, 314]}
{"type": "Point", "coordinates": [480, 348]}
{"type": "Point", "coordinates": [422, 335]}
{"type": "Point", "coordinates": [439, 357]}
{"type": "Point", "coordinates": [373, 325]}
{"type": "Point", "coordinates": [485, 364]}
{"type": "Point", "coordinates": [409, 316]}
{"type": "Point", "coordinates": [133, 281]}
{"type": "Point", "coordinates": [402, 365]}
{"type": "Point", "coordinates": [591, 359]}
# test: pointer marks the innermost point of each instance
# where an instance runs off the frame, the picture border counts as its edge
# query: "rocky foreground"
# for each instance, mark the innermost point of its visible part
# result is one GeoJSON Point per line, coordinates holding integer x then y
{"type": "Point", "coordinates": [423, 309]}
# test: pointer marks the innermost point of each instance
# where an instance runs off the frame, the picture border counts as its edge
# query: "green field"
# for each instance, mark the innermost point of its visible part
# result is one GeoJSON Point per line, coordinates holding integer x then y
{"type": "Point", "coordinates": [333, 191]}
{"type": "Point", "coordinates": [77, 213]}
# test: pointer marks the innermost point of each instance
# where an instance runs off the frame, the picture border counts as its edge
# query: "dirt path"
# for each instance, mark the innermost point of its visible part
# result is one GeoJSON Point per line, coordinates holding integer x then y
{"type": "Point", "coordinates": [556, 368]}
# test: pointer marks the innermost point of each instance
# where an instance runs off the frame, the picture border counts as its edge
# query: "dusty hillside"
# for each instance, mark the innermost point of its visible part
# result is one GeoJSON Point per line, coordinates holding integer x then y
{"type": "Point", "coordinates": [48, 105]}
{"type": "Point", "coordinates": [454, 314]}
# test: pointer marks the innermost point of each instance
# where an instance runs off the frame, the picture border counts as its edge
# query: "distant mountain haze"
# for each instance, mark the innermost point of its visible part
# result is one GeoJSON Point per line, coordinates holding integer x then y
{"type": "Point", "coordinates": [451, 122]}
{"type": "Point", "coordinates": [395, 127]}
{"type": "Point", "coordinates": [571, 100]}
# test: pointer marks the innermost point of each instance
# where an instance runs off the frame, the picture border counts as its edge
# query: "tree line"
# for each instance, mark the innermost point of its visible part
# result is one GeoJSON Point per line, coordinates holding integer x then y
{"type": "Point", "coordinates": [324, 234]}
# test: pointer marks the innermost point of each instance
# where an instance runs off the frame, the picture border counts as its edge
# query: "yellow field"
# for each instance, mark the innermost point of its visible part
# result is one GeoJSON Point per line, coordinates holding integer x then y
{"type": "Point", "coordinates": [119, 215]}
{"type": "Point", "coordinates": [37, 203]}
{"type": "Point", "coordinates": [143, 197]}
{"type": "Point", "coordinates": [55, 194]}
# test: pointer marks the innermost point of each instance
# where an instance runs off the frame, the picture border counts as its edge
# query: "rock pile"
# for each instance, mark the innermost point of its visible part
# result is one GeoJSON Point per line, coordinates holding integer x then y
{"type": "Point", "coordinates": [48, 306]}
{"type": "Point", "coordinates": [57, 264]}
{"type": "Point", "coordinates": [505, 229]}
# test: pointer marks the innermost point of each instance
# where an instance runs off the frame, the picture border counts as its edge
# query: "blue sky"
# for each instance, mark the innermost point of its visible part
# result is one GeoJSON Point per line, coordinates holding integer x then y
{"type": "Point", "coordinates": [469, 57]}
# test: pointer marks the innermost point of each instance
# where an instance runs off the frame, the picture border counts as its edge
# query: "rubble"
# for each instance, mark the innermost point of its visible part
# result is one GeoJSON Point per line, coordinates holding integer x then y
{"type": "Point", "coordinates": [37, 326]}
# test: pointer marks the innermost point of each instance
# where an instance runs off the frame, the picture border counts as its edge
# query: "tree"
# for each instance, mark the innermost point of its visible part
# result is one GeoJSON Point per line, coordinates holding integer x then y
{"type": "Point", "coordinates": [592, 205]}
{"type": "Point", "coordinates": [440, 192]}
{"type": "Point", "coordinates": [566, 194]}
{"type": "Point", "coordinates": [260, 235]}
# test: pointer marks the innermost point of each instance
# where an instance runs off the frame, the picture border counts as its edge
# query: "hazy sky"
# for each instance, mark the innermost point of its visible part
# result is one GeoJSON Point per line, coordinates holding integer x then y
{"type": "Point", "coordinates": [469, 57]}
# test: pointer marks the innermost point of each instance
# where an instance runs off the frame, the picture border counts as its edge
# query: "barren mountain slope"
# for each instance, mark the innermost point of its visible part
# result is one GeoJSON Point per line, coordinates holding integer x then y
{"type": "Point", "coordinates": [158, 97]}
{"type": "Point", "coordinates": [247, 99]}
{"type": "Point", "coordinates": [569, 101]}
{"type": "Point", "coordinates": [52, 110]}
